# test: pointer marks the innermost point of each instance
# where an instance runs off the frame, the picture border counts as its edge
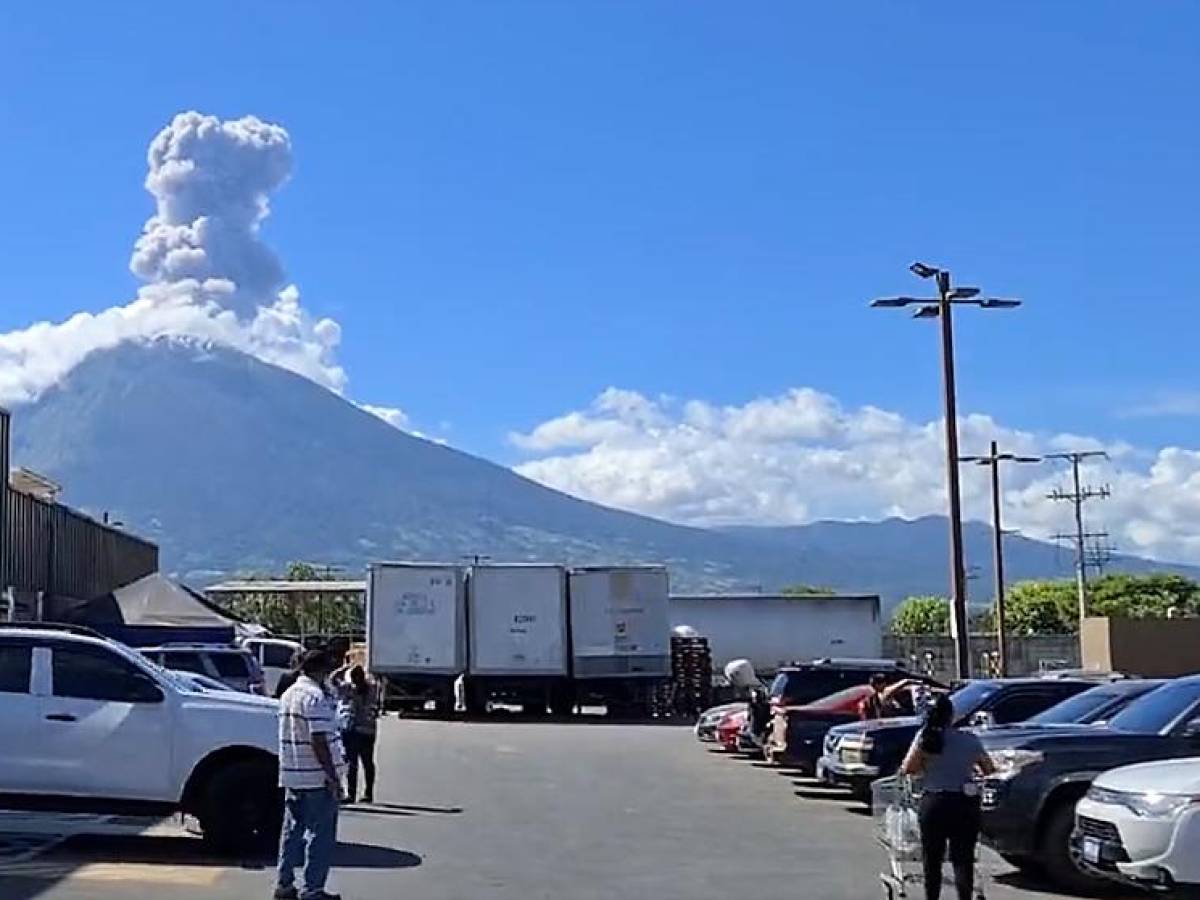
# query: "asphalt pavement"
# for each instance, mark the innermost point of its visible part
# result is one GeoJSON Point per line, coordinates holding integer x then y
{"type": "Point", "coordinates": [510, 810]}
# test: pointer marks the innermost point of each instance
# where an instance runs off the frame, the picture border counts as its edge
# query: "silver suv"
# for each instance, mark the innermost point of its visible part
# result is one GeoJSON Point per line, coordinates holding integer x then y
{"type": "Point", "coordinates": [232, 666]}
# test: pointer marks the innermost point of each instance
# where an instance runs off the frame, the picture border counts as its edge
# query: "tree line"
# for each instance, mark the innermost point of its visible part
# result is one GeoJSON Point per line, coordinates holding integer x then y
{"type": "Point", "coordinates": [1052, 606]}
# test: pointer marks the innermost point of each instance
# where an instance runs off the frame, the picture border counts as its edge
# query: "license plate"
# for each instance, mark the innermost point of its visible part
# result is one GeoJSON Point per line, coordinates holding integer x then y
{"type": "Point", "coordinates": [1091, 850]}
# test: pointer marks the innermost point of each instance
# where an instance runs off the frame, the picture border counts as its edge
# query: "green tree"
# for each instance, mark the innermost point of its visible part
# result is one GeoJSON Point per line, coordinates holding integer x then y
{"type": "Point", "coordinates": [1151, 596]}
{"type": "Point", "coordinates": [1052, 607]}
{"type": "Point", "coordinates": [1042, 607]}
{"type": "Point", "coordinates": [922, 615]}
{"type": "Point", "coordinates": [801, 590]}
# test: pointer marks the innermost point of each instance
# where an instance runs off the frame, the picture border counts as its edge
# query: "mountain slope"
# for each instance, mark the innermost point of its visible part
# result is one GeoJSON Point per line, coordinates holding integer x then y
{"type": "Point", "coordinates": [235, 466]}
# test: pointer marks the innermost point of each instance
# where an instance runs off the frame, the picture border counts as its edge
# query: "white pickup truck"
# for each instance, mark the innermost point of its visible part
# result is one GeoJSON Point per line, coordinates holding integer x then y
{"type": "Point", "coordinates": [89, 725]}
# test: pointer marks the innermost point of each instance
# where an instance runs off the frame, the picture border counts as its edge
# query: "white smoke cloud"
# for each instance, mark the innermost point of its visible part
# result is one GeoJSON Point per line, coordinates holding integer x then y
{"type": "Point", "coordinates": [802, 456]}
{"type": "Point", "coordinates": [209, 274]}
{"type": "Point", "coordinates": [397, 418]}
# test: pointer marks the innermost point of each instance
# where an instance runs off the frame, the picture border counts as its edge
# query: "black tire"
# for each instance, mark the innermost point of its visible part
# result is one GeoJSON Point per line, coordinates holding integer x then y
{"type": "Point", "coordinates": [1054, 851]}
{"type": "Point", "coordinates": [475, 699]}
{"type": "Point", "coordinates": [562, 702]}
{"type": "Point", "coordinates": [242, 808]}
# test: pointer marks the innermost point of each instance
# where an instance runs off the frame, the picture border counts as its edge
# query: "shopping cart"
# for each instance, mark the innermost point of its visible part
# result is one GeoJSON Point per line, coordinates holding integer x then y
{"type": "Point", "coordinates": [894, 804]}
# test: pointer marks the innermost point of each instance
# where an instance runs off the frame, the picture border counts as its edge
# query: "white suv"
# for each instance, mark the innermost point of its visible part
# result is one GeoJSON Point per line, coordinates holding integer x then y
{"type": "Point", "coordinates": [90, 725]}
{"type": "Point", "coordinates": [1141, 824]}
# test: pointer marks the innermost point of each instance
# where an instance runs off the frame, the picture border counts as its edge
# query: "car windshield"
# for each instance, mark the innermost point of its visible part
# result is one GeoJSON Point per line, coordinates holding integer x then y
{"type": "Point", "coordinates": [1080, 708]}
{"type": "Point", "coordinates": [967, 700]}
{"type": "Point", "coordinates": [839, 699]}
{"type": "Point", "coordinates": [1158, 709]}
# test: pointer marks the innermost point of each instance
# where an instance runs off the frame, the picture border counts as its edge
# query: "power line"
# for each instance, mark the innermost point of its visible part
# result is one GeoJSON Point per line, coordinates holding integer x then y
{"type": "Point", "coordinates": [1077, 496]}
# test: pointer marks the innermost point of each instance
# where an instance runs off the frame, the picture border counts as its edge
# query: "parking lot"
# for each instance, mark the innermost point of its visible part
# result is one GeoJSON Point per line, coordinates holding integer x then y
{"type": "Point", "coordinates": [512, 811]}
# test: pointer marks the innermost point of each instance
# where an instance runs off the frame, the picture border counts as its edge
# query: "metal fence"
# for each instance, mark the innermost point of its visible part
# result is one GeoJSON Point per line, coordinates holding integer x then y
{"type": "Point", "coordinates": [1027, 655]}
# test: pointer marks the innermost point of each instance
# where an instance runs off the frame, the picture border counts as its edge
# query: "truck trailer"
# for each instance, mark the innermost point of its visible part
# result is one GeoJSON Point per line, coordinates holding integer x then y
{"type": "Point", "coordinates": [518, 638]}
{"type": "Point", "coordinates": [772, 630]}
{"type": "Point", "coordinates": [620, 636]}
{"type": "Point", "coordinates": [417, 631]}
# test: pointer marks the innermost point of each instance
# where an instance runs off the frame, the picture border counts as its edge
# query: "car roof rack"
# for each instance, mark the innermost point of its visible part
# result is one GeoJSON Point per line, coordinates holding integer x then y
{"type": "Point", "coordinates": [64, 627]}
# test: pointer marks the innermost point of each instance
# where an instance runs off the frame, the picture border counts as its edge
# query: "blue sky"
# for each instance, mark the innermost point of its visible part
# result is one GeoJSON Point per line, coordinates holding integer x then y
{"type": "Point", "coordinates": [511, 206]}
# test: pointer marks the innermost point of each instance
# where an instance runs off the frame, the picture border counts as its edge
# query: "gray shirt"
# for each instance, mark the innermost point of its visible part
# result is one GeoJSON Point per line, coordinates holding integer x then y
{"type": "Point", "coordinates": [953, 768]}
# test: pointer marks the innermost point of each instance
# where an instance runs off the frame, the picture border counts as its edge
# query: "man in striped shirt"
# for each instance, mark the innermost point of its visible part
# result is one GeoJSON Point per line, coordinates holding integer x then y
{"type": "Point", "coordinates": [311, 768]}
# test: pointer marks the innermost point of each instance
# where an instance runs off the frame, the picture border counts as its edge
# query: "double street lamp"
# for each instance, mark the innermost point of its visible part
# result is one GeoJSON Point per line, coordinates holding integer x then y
{"type": "Point", "coordinates": [940, 307]}
{"type": "Point", "coordinates": [993, 460]}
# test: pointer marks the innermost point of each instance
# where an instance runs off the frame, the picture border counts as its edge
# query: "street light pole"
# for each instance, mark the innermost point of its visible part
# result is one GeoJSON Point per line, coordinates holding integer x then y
{"type": "Point", "coordinates": [993, 460]}
{"type": "Point", "coordinates": [959, 629]}
{"type": "Point", "coordinates": [942, 307]}
{"type": "Point", "coordinates": [998, 564]}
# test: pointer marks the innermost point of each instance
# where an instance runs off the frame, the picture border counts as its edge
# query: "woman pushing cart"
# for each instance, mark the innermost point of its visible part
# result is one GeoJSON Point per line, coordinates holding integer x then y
{"type": "Point", "coordinates": [948, 761]}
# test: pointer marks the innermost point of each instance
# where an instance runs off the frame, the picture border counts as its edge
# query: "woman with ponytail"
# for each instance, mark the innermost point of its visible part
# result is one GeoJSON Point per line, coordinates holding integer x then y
{"type": "Point", "coordinates": [947, 759]}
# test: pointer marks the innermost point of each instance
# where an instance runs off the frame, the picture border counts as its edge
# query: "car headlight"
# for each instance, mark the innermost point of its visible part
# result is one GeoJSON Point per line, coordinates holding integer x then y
{"type": "Point", "coordinates": [1010, 761]}
{"type": "Point", "coordinates": [1150, 805]}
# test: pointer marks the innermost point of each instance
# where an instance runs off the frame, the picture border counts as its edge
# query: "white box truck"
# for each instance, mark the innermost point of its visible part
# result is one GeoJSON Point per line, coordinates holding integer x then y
{"type": "Point", "coordinates": [416, 630]}
{"type": "Point", "coordinates": [518, 638]}
{"type": "Point", "coordinates": [620, 635]}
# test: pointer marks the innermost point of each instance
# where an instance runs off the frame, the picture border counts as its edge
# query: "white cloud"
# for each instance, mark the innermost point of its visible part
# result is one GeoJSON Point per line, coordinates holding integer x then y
{"type": "Point", "coordinates": [802, 456]}
{"type": "Point", "coordinates": [397, 418]}
{"type": "Point", "coordinates": [1175, 404]}
{"type": "Point", "coordinates": [209, 274]}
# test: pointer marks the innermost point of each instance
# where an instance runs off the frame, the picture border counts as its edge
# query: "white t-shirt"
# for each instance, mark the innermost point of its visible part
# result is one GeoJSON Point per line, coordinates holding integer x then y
{"type": "Point", "coordinates": [304, 710]}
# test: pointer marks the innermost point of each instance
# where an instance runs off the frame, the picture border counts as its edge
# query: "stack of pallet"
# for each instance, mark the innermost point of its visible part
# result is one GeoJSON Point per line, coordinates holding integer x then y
{"type": "Point", "coordinates": [691, 668]}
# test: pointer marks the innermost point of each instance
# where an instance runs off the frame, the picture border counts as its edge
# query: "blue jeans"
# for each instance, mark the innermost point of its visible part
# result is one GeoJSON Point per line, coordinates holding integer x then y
{"type": "Point", "coordinates": [309, 818]}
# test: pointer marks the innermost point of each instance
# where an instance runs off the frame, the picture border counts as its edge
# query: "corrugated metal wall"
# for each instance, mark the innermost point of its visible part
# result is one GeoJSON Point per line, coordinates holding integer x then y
{"type": "Point", "coordinates": [52, 548]}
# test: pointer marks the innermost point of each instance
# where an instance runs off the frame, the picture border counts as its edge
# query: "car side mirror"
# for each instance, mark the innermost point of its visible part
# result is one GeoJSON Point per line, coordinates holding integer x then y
{"type": "Point", "coordinates": [982, 719]}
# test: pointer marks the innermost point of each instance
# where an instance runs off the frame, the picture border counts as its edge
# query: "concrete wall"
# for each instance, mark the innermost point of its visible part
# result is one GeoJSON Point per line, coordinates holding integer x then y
{"type": "Point", "coordinates": [1156, 648]}
{"type": "Point", "coordinates": [1026, 655]}
{"type": "Point", "coordinates": [771, 629]}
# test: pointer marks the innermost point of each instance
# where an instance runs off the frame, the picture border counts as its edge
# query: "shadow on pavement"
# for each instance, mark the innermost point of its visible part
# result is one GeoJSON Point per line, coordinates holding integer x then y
{"type": "Point", "coordinates": [1033, 885]}
{"type": "Point", "coordinates": [192, 851]}
{"type": "Point", "coordinates": [372, 856]}
{"type": "Point", "coordinates": [412, 808]}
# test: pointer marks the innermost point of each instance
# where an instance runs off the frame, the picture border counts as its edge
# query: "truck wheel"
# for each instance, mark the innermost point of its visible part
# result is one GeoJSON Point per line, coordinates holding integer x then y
{"type": "Point", "coordinates": [476, 700]}
{"type": "Point", "coordinates": [1055, 851]}
{"type": "Point", "coordinates": [242, 809]}
{"type": "Point", "coordinates": [561, 702]}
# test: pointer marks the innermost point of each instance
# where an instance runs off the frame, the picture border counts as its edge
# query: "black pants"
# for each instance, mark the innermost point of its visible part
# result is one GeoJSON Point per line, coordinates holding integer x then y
{"type": "Point", "coordinates": [949, 819]}
{"type": "Point", "coordinates": [358, 747]}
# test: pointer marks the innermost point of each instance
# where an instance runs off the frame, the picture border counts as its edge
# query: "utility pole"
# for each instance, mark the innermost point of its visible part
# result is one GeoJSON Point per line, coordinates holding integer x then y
{"type": "Point", "coordinates": [1079, 495]}
{"type": "Point", "coordinates": [941, 307]}
{"type": "Point", "coordinates": [992, 461]}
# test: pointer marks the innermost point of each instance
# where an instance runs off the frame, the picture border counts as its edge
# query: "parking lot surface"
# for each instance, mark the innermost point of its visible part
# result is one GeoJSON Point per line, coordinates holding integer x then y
{"type": "Point", "coordinates": [512, 811]}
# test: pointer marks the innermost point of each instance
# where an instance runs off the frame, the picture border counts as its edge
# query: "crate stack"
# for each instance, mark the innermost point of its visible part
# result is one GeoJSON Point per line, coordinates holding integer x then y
{"type": "Point", "coordinates": [691, 668]}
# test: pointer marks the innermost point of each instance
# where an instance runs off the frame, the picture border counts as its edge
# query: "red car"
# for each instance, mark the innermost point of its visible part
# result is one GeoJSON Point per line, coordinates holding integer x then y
{"type": "Point", "coordinates": [730, 727]}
